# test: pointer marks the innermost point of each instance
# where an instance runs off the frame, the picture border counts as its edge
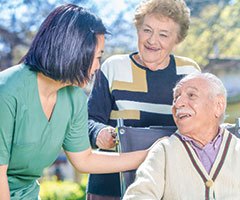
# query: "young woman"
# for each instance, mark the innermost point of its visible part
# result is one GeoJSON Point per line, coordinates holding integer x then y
{"type": "Point", "coordinates": [43, 107]}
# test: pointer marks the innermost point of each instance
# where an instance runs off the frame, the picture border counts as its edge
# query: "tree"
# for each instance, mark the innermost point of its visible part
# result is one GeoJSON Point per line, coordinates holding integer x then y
{"type": "Point", "coordinates": [19, 21]}
{"type": "Point", "coordinates": [197, 6]}
{"type": "Point", "coordinates": [209, 33]}
{"type": "Point", "coordinates": [214, 33]}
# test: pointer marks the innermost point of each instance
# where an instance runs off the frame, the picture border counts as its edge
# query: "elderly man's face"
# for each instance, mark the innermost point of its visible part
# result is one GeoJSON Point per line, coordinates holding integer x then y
{"type": "Point", "coordinates": [193, 108]}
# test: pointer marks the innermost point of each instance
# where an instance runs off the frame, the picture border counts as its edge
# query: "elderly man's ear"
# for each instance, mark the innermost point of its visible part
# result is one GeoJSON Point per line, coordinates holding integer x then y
{"type": "Point", "coordinates": [220, 106]}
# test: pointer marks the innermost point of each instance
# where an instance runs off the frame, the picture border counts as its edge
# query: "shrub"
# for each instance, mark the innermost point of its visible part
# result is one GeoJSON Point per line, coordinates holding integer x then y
{"type": "Point", "coordinates": [61, 190]}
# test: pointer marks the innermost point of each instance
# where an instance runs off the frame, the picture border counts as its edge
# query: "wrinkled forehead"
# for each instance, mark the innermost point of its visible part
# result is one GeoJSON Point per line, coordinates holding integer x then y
{"type": "Point", "coordinates": [196, 82]}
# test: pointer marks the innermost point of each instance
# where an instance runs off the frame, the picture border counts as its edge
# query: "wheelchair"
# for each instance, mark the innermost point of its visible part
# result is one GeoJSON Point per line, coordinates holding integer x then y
{"type": "Point", "coordinates": [139, 138]}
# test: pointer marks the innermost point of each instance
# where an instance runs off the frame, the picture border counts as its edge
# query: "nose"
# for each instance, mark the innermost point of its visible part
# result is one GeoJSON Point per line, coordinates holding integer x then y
{"type": "Point", "coordinates": [180, 101]}
{"type": "Point", "coordinates": [153, 38]}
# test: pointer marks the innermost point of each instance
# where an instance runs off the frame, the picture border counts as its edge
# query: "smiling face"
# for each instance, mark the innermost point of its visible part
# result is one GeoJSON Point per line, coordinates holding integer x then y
{"type": "Point", "coordinates": [157, 36]}
{"type": "Point", "coordinates": [194, 109]}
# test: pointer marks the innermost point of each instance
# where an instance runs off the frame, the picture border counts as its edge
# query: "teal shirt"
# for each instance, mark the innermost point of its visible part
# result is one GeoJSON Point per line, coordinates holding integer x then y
{"type": "Point", "coordinates": [28, 141]}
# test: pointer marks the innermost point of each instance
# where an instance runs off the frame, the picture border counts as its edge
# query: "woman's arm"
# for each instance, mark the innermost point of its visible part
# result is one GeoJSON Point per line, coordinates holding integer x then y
{"type": "Point", "coordinates": [150, 176]}
{"type": "Point", "coordinates": [7, 122]}
{"type": "Point", "coordinates": [89, 161]}
{"type": "Point", "coordinates": [4, 194]}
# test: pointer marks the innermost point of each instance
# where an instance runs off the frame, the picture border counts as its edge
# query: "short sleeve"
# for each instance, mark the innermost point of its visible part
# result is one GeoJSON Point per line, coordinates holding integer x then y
{"type": "Point", "coordinates": [7, 116]}
{"type": "Point", "coordinates": [77, 138]}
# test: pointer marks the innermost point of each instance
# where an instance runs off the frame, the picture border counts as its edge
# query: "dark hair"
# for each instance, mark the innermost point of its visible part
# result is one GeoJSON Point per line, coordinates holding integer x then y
{"type": "Point", "coordinates": [64, 47]}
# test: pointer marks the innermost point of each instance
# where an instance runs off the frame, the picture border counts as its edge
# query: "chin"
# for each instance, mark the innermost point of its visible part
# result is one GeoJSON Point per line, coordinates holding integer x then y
{"type": "Point", "coordinates": [184, 130]}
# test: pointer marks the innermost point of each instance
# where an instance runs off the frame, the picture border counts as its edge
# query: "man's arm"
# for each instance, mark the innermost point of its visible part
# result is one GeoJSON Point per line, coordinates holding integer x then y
{"type": "Point", "coordinates": [4, 189]}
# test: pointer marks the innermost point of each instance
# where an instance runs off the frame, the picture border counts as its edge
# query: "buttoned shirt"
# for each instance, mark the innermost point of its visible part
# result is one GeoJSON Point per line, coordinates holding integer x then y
{"type": "Point", "coordinates": [208, 153]}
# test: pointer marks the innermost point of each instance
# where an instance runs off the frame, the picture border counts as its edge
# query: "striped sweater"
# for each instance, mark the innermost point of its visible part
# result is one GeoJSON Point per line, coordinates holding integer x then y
{"type": "Point", "coordinates": [124, 89]}
{"type": "Point", "coordinates": [172, 170]}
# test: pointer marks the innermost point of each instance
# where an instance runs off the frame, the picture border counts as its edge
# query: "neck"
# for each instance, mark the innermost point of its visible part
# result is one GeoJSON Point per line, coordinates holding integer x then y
{"type": "Point", "coordinates": [152, 66]}
{"type": "Point", "coordinates": [47, 86]}
{"type": "Point", "coordinates": [203, 138]}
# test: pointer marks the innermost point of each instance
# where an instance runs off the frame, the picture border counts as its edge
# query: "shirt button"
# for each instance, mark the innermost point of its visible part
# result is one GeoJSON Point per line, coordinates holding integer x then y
{"type": "Point", "coordinates": [209, 183]}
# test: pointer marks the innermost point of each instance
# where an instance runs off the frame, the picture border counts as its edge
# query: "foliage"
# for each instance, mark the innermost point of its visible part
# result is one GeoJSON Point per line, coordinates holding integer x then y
{"type": "Point", "coordinates": [196, 6]}
{"type": "Point", "coordinates": [211, 22]}
{"type": "Point", "coordinates": [19, 21]}
{"type": "Point", "coordinates": [61, 190]}
{"type": "Point", "coordinates": [231, 113]}
{"type": "Point", "coordinates": [214, 33]}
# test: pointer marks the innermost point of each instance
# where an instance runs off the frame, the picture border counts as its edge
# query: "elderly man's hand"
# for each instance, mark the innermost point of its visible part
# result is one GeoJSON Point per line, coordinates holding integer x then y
{"type": "Point", "coordinates": [106, 138]}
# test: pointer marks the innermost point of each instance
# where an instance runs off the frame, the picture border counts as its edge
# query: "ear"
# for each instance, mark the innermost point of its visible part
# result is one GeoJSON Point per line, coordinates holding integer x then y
{"type": "Point", "coordinates": [220, 104]}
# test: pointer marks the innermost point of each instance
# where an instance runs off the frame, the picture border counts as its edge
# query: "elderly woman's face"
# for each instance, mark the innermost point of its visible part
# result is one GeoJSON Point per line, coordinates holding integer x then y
{"type": "Point", "coordinates": [193, 109]}
{"type": "Point", "coordinates": [157, 36]}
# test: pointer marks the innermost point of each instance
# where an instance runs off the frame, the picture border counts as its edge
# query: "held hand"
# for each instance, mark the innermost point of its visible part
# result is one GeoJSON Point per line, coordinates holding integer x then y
{"type": "Point", "coordinates": [106, 138]}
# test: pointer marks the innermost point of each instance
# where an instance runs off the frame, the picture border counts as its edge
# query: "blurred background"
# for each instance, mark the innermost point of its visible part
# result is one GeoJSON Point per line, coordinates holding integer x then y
{"type": "Point", "coordinates": [213, 41]}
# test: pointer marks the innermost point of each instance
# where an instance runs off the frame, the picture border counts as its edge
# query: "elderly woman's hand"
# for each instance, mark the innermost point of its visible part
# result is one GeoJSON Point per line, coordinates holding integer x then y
{"type": "Point", "coordinates": [106, 138]}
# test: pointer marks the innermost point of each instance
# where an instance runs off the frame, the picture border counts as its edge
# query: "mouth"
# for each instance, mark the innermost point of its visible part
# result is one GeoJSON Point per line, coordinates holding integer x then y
{"type": "Point", "coordinates": [183, 115]}
{"type": "Point", "coordinates": [152, 48]}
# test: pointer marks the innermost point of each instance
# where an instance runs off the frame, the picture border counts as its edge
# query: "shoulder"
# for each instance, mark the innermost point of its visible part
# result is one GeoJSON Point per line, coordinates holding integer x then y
{"type": "Point", "coordinates": [158, 146]}
{"type": "Point", "coordinates": [16, 79]}
{"type": "Point", "coordinates": [115, 62]}
{"type": "Point", "coordinates": [186, 65]}
{"type": "Point", "coordinates": [166, 143]}
{"type": "Point", "coordinates": [234, 139]}
{"type": "Point", "coordinates": [117, 67]}
{"type": "Point", "coordinates": [76, 93]}
{"type": "Point", "coordinates": [117, 58]}
{"type": "Point", "coordinates": [181, 61]}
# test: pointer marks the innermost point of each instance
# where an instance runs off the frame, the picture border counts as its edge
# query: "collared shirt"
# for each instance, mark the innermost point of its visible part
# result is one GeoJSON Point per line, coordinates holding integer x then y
{"type": "Point", "coordinates": [208, 153]}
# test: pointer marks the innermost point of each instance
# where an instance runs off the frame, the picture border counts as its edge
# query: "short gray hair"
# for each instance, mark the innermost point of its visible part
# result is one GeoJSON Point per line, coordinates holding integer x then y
{"type": "Point", "coordinates": [215, 84]}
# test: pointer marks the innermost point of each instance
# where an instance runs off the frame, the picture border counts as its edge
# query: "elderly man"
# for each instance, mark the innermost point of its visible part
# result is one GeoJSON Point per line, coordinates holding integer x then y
{"type": "Point", "coordinates": [201, 160]}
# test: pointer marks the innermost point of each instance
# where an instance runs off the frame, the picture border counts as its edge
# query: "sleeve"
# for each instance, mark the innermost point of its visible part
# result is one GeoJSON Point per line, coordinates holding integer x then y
{"type": "Point", "coordinates": [99, 107]}
{"type": "Point", "coordinates": [76, 139]}
{"type": "Point", "coordinates": [7, 119]}
{"type": "Point", "coordinates": [149, 182]}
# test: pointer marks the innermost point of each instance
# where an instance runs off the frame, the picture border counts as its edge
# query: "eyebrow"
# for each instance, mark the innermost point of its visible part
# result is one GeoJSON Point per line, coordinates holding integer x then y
{"type": "Point", "coordinates": [166, 31]}
{"type": "Point", "coordinates": [176, 90]}
{"type": "Point", "coordinates": [191, 87]}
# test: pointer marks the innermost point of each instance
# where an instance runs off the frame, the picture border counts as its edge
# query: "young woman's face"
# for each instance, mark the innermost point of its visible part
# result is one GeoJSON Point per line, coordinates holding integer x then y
{"type": "Point", "coordinates": [98, 55]}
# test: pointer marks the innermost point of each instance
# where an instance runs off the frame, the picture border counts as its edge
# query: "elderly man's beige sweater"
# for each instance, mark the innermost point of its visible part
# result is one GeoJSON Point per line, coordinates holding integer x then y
{"type": "Point", "coordinates": [172, 171]}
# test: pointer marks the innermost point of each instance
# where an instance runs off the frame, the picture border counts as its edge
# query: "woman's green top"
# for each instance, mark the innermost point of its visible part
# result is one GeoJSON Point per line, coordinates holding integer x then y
{"type": "Point", "coordinates": [29, 142]}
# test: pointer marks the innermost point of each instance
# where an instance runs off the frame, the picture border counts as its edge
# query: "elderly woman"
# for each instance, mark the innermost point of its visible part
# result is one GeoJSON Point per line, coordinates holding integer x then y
{"type": "Point", "coordinates": [44, 109]}
{"type": "Point", "coordinates": [138, 87]}
{"type": "Point", "coordinates": [201, 160]}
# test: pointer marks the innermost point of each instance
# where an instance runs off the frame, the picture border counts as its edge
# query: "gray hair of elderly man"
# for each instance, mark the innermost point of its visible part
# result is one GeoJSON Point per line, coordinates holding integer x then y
{"type": "Point", "coordinates": [215, 85]}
